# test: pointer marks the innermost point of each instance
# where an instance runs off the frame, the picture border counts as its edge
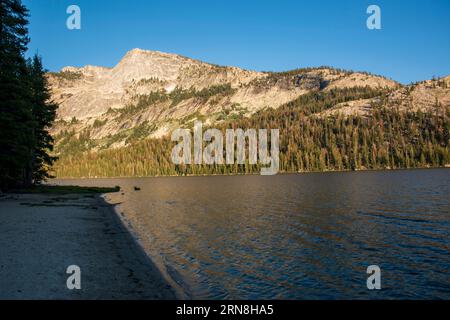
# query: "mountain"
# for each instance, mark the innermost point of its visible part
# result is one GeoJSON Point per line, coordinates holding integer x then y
{"type": "Point", "coordinates": [161, 91]}
{"type": "Point", "coordinates": [130, 110]}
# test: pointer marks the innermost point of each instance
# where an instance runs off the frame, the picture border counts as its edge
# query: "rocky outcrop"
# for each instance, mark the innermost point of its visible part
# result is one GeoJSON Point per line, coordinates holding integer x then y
{"type": "Point", "coordinates": [424, 96]}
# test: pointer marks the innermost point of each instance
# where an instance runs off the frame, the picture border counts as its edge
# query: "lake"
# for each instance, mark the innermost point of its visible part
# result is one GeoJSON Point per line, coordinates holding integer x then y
{"type": "Point", "coordinates": [296, 236]}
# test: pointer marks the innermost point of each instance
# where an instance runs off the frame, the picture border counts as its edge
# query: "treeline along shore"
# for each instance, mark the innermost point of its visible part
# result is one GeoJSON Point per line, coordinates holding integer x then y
{"type": "Point", "coordinates": [310, 140]}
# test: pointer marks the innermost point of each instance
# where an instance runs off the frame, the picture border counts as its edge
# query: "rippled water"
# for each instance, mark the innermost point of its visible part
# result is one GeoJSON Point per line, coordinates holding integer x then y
{"type": "Point", "coordinates": [308, 236]}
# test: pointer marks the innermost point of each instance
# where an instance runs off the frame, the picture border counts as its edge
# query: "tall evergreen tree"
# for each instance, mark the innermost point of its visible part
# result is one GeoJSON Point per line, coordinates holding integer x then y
{"type": "Point", "coordinates": [43, 113]}
{"type": "Point", "coordinates": [25, 110]}
{"type": "Point", "coordinates": [15, 111]}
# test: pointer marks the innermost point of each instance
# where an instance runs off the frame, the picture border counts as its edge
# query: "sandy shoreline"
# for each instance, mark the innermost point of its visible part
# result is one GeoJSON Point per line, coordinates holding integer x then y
{"type": "Point", "coordinates": [42, 234]}
{"type": "Point", "coordinates": [180, 291]}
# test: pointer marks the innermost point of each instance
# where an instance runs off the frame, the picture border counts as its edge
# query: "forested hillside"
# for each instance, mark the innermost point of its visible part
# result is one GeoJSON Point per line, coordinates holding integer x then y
{"type": "Point", "coordinates": [386, 136]}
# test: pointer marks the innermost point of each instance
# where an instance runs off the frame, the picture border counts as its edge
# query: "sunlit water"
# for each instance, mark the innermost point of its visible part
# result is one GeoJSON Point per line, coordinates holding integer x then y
{"type": "Point", "coordinates": [308, 236]}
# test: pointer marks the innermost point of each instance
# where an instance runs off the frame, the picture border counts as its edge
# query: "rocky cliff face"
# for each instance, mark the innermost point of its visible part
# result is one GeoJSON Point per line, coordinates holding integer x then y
{"type": "Point", "coordinates": [149, 93]}
{"type": "Point", "coordinates": [90, 91]}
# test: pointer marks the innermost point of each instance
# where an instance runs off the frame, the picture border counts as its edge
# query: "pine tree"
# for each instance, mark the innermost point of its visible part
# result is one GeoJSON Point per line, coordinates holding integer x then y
{"type": "Point", "coordinates": [15, 111]}
{"type": "Point", "coordinates": [44, 112]}
{"type": "Point", "coordinates": [25, 110]}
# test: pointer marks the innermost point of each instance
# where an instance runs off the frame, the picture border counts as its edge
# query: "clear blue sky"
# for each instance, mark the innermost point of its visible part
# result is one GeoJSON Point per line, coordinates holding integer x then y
{"type": "Point", "coordinates": [414, 43]}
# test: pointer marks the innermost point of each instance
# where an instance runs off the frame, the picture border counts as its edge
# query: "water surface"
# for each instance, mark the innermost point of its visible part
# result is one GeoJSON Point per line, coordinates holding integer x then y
{"type": "Point", "coordinates": [307, 236]}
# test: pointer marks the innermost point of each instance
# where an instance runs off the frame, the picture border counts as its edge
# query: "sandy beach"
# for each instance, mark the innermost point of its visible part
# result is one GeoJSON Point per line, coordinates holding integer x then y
{"type": "Point", "coordinates": [42, 234]}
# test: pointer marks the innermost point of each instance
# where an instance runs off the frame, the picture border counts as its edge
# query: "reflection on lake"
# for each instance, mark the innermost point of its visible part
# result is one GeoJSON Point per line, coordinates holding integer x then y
{"type": "Point", "coordinates": [308, 236]}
